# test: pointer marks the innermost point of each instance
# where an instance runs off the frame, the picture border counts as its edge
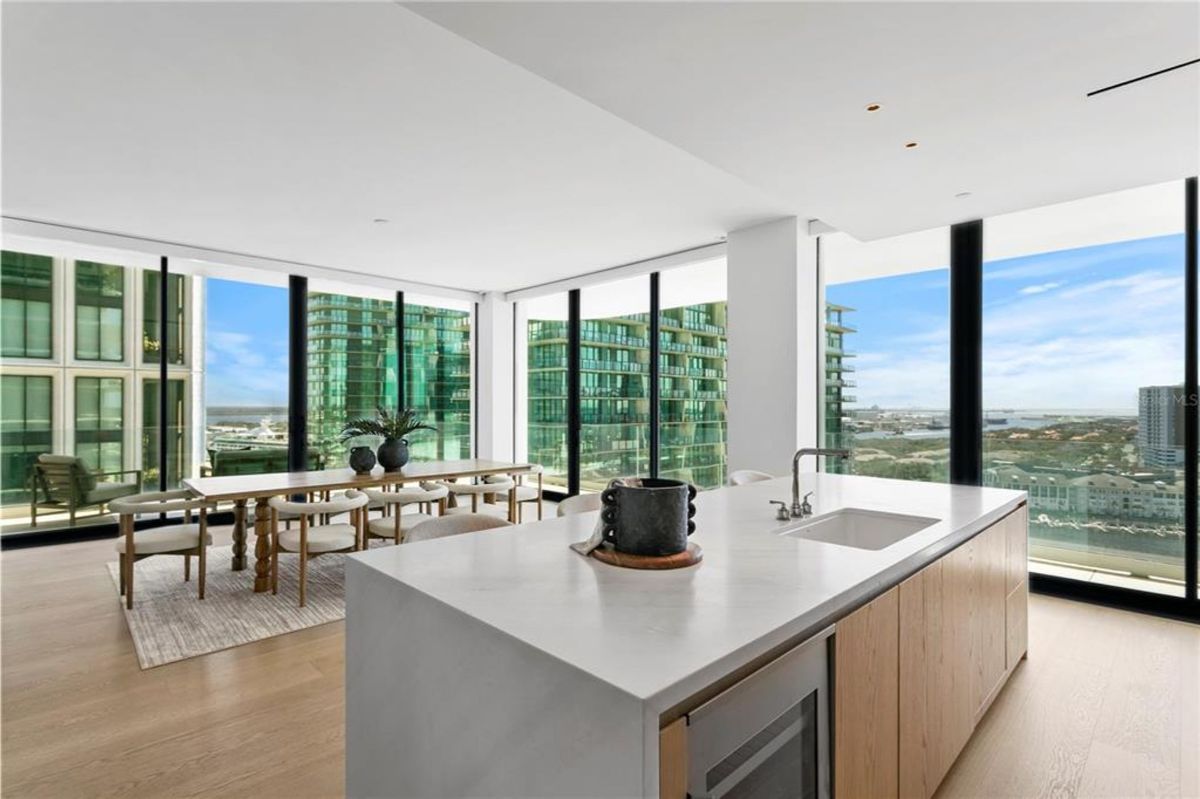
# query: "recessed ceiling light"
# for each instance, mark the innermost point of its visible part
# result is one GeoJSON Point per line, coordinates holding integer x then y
{"type": "Point", "coordinates": [379, 220]}
{"type": "Point", "coordinates": [873, 107]}
{"type": "Point", "coordinates": [911, 145]}
{"type": "Point", "coordinates": [962, 195]}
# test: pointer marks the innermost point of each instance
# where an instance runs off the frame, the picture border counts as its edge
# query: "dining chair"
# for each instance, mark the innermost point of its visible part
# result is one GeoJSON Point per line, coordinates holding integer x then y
{"type": "Point", "coordinates": [393, 523]}
{"type": "Point", "coordinates": [481, 490]}
{"type": "Point", "coordinates": [525, 493]}
{"type": "Point", "coordinates": [184, 539]}
{"type": "Point", "coordinates": [309, 540]}
{"type": "Point", "coordinates": [444, 526]}
{"type": "Point", "coordinates": [580, 503]}
{"type": "Point", "coordinates": [743, 476]}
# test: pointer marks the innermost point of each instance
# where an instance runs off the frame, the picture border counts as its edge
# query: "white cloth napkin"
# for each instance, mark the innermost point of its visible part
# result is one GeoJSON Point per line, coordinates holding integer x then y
{"type": "Point", "coordinates": [597, 537]}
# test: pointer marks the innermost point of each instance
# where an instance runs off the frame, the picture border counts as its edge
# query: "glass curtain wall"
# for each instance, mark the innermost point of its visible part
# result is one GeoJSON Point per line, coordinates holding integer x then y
{"type": "Point", "coordinates": [177, 351]}
{"type": "Point", "coordinates": [26, 431]}
{"type": "Point", "coordinates": [542, 335]}
{"type": "Point", "coordinates": [176, 318]}
{"type": "Point", "coordinates": [352, 368]}
{"type": "Point", "coordinates": [100, 422]}
{"type": "Point", "coordinates": [887, 354]}
{"type": "Point", "coordinates": [1083, 365]}
{"type": "Point", "coordinates": [692, 356]}
{"type": "Point", "coordinates": [245, 418]}
{"type": "Point", "coordinates": [26, 302]}
{"type": "Point", "coordinates": [614, 382]}
{"type": "Point", "coordinates": [437, 376]}
{"type": "Point", "coordinates": [99, 312]}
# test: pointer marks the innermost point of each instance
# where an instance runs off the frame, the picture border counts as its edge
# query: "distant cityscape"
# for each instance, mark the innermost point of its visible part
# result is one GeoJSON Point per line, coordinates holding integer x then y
{"type": "Point", "coordinates": [1105, 486]}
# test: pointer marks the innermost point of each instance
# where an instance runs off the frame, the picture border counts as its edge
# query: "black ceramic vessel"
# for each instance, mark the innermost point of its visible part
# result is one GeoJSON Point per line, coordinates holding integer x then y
{"type": "Point", "coordinates": [393, 454]}
{"type": "Point", "coordinates": [652, 519]}
{"type": "Point", "coordinates": [362, 460]}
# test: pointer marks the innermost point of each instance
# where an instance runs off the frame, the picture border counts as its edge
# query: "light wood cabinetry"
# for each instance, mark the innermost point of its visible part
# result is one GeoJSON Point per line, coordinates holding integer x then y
{"type": "Point", "coordinates": [989, 631]}
{"type": "Point", "coordinates": [961, 630]}
{"type": "Point", "coordinates": [915, 669]}
{"type": "Point", "coordinates": [866, 689]}
{"type": "Point", "coordinates": [1017, 601]}
{"type": "Point", "coordinates": [937, 670]}
{"type": "Point", "coordinates": [673, 760]}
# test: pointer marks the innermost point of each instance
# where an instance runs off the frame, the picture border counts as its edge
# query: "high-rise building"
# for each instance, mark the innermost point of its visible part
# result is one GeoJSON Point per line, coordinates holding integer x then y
{"type": "Point", "coordinates": [1160, 425]}
{"type": "Point", "coordinates": [351, 367]}
{"type": "Point", "coordinates": [837, 396]}
{"type": "Point", "coordinates": [437, 379]}
{"type": "Point", "coordinates": [79, 351]}
{"type": "Point", "coordinates": [615, 395]}
{"type": "Point", "coordinates": [692, 390]}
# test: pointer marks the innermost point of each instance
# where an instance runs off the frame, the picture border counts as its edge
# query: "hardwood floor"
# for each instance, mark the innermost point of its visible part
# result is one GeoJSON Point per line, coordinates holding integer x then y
{"type": "Point", "coordinates": [1108, 705]}
{"type": "Point", "coordinates": [80, 718]}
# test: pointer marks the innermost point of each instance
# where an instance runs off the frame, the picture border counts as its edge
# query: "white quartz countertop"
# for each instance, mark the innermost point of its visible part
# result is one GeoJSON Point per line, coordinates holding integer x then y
{"type": "Point", "coordinates": [661, 636]}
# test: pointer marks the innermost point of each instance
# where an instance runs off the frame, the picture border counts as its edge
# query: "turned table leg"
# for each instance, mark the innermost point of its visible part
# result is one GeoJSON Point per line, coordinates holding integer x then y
{"type": "Point", "coordinates": [239, 536]}
{"type": "Point", "coordinates": [262, 546]}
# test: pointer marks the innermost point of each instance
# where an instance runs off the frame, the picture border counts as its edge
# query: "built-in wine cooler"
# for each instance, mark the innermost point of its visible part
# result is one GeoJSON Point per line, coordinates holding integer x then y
{"type": "Point", "coordinates": [768, 736]}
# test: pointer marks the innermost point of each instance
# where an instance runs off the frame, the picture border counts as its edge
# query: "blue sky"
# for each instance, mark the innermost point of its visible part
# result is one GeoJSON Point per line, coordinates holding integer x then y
{"type": "Point", "coordinates": [246, 347]}
{"type": "Point", "coordinates": [1072, 329]}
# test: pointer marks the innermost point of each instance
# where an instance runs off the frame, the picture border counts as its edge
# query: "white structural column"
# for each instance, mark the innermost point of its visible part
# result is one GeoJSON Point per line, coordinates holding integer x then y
{"type": "Point", "coordinates": [774, 379]}
{"type": "Point", "coordinates": [494, 354]}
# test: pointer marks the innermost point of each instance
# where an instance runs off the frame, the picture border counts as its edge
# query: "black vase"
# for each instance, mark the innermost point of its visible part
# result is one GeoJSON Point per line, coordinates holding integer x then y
{"type": "Point", "coordinates": [362, 460]}
{"type": "Point", "coordinates": [653, 518]}
{"type": "Point", "coordinates": [393, 454]}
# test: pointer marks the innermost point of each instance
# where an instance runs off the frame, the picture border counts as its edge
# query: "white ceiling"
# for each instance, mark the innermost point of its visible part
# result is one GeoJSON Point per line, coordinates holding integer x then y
{"type": "Point", "coordinates": [994, 92]}
{"type": "Point", "coordinates": [283, 129]}
{"type": "Point", "coordinates": [515, 144]}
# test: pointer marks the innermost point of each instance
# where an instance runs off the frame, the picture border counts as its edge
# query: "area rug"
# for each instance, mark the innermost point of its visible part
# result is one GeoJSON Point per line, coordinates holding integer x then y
{"type": "Point", "coordinates": [168, 622]}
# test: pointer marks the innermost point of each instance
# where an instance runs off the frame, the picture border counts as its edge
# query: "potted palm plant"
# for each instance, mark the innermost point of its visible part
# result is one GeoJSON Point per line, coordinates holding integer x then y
{"type": "Point", "coordinates": [394, 429]}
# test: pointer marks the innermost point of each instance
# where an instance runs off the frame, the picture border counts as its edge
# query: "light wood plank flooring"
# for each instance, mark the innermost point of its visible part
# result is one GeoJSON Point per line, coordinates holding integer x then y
{"type": "Point", "coordinates": [1107, 706]}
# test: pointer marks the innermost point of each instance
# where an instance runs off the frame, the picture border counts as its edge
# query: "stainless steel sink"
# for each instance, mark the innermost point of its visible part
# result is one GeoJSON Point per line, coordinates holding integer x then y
{"type": "Point", "coordinates": [860, 528]}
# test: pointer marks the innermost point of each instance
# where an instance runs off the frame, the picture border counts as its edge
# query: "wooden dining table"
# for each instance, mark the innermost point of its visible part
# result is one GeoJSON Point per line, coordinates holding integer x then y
{"type": "Point", "coordinates": [242, 488]}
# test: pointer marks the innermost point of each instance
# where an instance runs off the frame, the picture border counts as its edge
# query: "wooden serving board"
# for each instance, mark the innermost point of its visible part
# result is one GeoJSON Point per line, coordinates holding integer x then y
{"type": "Point", "coordinates": [689, 557]}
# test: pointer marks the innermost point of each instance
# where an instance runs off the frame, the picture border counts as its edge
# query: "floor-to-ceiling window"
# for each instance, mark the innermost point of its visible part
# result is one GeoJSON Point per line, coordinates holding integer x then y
{"type": "Point", "coordinates": [542, 360]}
{"type": "Point", "coordinates": [352, 360]}
{"type": "Point", "coordinates": [176, 314]}
{"type": "Point", "coordinates": [692, 353]}
{"type": "Point", "coordinates": [614, 381]}
{"type": "Point", "coordinates": [179, 351]}
{"type": "Point", "coordinates": [245, 373]}
{"type": "Point", "coordinates": [887, 353]}
{"type": "Point", "coordinates": [1083, 345]}
{"type": "Point", "coordinates": [99, 312]}
{"type": "Point", "coordinates": [437, 375]}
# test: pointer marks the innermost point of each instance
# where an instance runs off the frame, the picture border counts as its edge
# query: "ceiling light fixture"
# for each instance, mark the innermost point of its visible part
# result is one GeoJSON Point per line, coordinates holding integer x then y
{"type": "Point", "coordinates": [873, 107]}
{"type": "Point", "coordinates": [912, 145]}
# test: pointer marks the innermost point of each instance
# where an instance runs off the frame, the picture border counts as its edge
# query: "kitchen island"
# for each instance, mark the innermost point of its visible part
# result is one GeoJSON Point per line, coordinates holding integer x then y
{"type": "Point", "coordinates": [504, 664]}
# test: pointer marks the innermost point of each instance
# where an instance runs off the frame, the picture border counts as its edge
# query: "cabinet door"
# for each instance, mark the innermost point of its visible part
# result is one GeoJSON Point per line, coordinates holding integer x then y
{"type": "Point", "coordinates": [936, 713]}
{"type": "Point", "coordinates": [989, 552]}
{"type": "Point", "coordinates": [866, 696]}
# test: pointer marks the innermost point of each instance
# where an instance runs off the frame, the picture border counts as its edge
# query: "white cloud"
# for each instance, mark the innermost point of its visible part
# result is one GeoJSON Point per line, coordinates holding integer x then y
{"type": "Point", "coordinates": [1040, 288]}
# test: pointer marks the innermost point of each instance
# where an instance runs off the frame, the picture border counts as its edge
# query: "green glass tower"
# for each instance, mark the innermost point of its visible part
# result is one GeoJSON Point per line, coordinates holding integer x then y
{"type": "Point", "coordinates": [351, 367]}
{"type": "Point", "coordinates": [437, 379]}
{"type": "Point", "coordinates": [839, 381]}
